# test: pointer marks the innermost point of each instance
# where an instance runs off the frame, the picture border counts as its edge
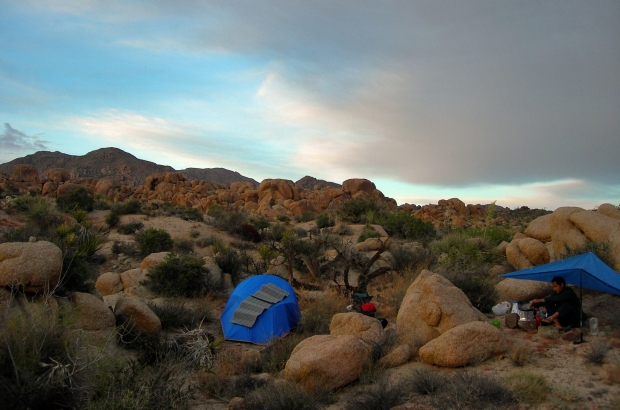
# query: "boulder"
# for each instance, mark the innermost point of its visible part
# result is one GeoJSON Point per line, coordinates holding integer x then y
{"type": "Point", "coordinates": [132, 278]}
{"type": "Point", "coordinates": [515, 257]}
{"type": "Point", "coordinates": [105, 185]}
{"type": "Point", "coordinates": [34, 265]}
{"type": "Point", "coordinates": [373, 244]}
{"type": "Point", "coordinates": [152, 260]}
{"type": "Point", "coordinates": [432, 306]}
{"type": "Point", "coordinates": [271, 190]}
{"type": "Point", "coordinates": [327, 361]}
{"type": "Point", "coordinates": [610, 374]}
{"type": "Point", "coordinates": [564, 232]}
{"type": "Point", "coordinates": [58, 175]}
{"type": "Point", "coordinates": [609, 210]}
{"type": "Point", "coordinates": [501, 248]}
{"type": "Point", "coordinates": [355, 324]}
{"type": "Point", "coordinates": [69, 187]}
{"type": "Point", "coordinates": [540, 228]}
{"type": "Point", "coordinates": [510, 290]}
{"type": "Point", "coordinates": [395, 357]}
{"type": "Point", "coordinates": [137, 314]}
{"type": "Point", "coordinates": [25, 173]}
{"type": "Point", "coordinates": [465, 344]}
{"type": "Point", "coordinates": [355, 185]}
{"type": "Point", "coordinates": [215, 273]}
{"type": "Point", "coordinates": [534, 250]}
{"type": "Point", "coordinates": [91, 313]}
{"type": "Point", "coordinates": [595, 226]}
{"type": "Point", "coordinates": [109, 283]}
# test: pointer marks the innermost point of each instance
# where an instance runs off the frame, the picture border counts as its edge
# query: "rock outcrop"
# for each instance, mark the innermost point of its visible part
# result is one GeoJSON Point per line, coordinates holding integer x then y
{"type": "Point", "coordinates": [138, 315]}
{"type": "Point", "coordinates": [465, 344]}
{"type": "Point", "coordinates": [34, 266]}
{"type": "Point", "coordinates": [327, 361]}
{"type": "Point", "coordinates": [431, 307]}
{"type": "Point", "coordinates": [366, 328]}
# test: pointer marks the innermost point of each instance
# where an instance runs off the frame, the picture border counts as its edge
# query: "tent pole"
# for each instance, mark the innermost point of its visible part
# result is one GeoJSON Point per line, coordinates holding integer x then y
{"type": "Point", "coordinates": [580, 341]}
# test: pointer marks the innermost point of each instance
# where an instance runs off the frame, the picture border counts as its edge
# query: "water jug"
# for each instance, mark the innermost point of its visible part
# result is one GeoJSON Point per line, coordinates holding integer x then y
{"type": "Point", "coordinates": [593, 326]}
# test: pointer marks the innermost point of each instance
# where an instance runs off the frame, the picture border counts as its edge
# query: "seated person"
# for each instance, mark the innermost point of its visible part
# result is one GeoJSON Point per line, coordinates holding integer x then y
{"type": "Point", "coordinates": [563, 307]}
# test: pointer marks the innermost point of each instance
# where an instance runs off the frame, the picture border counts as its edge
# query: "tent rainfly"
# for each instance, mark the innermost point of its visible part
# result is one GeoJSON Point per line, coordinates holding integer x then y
{"type": "Point", "coordinates": [260, 308]}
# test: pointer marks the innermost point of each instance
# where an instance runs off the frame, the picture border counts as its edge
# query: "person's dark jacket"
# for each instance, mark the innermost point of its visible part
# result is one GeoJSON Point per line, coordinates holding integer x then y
{"type": "Point", "coordinates": [567, 295]}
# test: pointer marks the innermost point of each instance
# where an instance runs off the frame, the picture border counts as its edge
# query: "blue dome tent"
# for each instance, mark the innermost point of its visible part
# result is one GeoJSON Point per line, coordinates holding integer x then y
{"type": "Point", "coordinates": [260, 308]}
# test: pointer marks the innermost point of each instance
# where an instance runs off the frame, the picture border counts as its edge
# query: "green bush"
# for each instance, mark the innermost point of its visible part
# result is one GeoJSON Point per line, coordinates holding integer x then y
{"type": "Point", "coordinates": [307, 216]}
{"type": "Point", "coordinates": [127, 248]}
{"type": "Point", "coordinates": [356, 210]}
{"type": "Point", "coordinates": [315, 320]}
{"type": "Point", "coordinates": [478, 286]}
{"type": "Point", "coordinates": [112, 219]}
{"type": "Point", "coordinates": [175, 315]}
{"type": "Point", "coordinates": [230, 220]}
{"type": "Point", "coordinates": [129, 228]}
{"type": "Point", "coordinates": [277, 352]}
{"type": "Point", "coordinates": [280, 396]}
{"type": "Point", "coordinates": [179, 275]}
{"type": "Point", "coordinates": [473, 390]}
{"type": "Point", "coordinates": [283, 218]}
{"type": "Point", "coordinates": [495, 234]}
{"type": "Point", "coordinates": [80, 199]}
{"type": "Point", "coordinates": [368, 232]}
{"type": "Point", "coordinates": [342, 230]}
{"type": "Point", "coordinates": [527, 387]}
{"type": "Point", "coordinates": [183, 245]}
{"type": "Point", "coordinates": [403, 225]}
{"type": "Point", "coordinates": [276, 232]}
{"type": "Point", "coordinates": [300, 232]}
{"type": "Point", "coordinates": [402, 258]}
{"type": "Point", "coordinates": [381, 396]}
{"type": "Point", "coordinates": [154, 240]}
{"type": "Point", "coordinates": [127, 208]}
{"type": "Point", "coordinates": [229, 262]}
{"type": "Point", "coordinates": [464, 253]}
{"type": "Point", "coordinates": [259, 223]}
{"type": "Point", "coordinates": [324, 220]}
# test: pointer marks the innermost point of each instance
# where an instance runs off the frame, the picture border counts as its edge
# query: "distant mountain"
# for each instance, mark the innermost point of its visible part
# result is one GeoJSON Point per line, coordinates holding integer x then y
{"type": "Point", "coordinates": [117, 164]}
{"type": "Point", "coordinates": [309, 182]}
{"type": "Point", "coordinates": [221, 175]}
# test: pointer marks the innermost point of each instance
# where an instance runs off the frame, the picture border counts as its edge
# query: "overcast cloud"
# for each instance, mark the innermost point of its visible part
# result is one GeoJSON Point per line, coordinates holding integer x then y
{"type": "Point", "coordinates": [446, 94]}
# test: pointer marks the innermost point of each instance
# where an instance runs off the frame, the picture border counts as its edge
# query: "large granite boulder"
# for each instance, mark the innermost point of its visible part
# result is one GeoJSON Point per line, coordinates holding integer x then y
{"type": "Point", "coordinates": [395, 357]}
{"type": "Point", "coordinates": [35, 266]}
{"type": "Point", "coordinates": [534, 250]}
{"type": "Point", "coordinates": [540, 228]}
{"type": "Point", "coordinates": [91, 313]}
{"type": "Point", "coordinates": [609, 210]}
{"type": "Point", "coordinates": [58, 175]}
{"type": "Point", "coordinates": [25, 173]}
{"type": "Point", "coordinates": [432, 306]}
{"type": "Point", "coordinates": [512, 290]}
{"type": "Point", "coordinates": [465, 344]}
{"type": "Point", "coordinates": [327, 361]}
{"type": "Point", "coordinates": [355, 324]}
{"type": "Point", "coordinates": [355, 185]}
{"type": "Point", "coordinates": [563, 232]}
{"type": "Point", "coordinates": [138, 315]}
{"type": "Point", "coordinates": [153, 259]}
{"type": "Point", "coordinates": [109, 283]}
{"type": "Point", "coordinates": [515, 257]}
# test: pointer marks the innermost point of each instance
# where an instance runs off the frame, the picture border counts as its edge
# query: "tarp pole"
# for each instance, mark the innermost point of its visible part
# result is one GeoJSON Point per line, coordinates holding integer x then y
{"type": "Point", "coordinates": [580, 341]}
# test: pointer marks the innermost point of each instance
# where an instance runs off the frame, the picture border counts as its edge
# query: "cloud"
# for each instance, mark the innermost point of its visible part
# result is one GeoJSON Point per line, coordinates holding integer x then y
{"type": "Point", "coordinates": [15, 141]}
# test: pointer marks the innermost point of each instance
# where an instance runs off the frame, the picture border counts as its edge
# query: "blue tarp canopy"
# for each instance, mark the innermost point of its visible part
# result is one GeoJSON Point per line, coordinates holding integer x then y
{"type": "Point", "coordinates": [274, 322]}
{"type": "Point", "coordinates": [586, 270]}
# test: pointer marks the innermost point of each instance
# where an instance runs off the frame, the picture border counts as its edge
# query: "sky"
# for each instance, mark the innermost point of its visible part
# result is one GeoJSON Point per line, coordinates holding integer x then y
{"type": "Point", "coordinates": [510, 101]}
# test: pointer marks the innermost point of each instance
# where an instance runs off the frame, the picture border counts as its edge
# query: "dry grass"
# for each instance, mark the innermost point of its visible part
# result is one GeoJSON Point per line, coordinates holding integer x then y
{"type": "Point", "coordinates": [520, 354]}
{"type": "Point", "coordinates": [597, 352]}
{"type": "Point", "coordinates": [228, 363]}
{"type": "Point", "coordinates": [527, 387]}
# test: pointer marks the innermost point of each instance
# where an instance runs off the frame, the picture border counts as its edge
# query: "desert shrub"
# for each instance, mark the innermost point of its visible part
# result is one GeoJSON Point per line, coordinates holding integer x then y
{"type": "Point", "coordinates": [315, 319]}
{"type": "Point", "coordinates": [127, 248]}
{"type": "Point", "coordinates": [324, 220]}
{"type": "Point", "coordinates": [230, 220]}
{"type": "Point", "coordinates": [250, 233]}
{"type": "Point", "coordinates": [425, 381]}
{"type": "Point", "coordinates": [102, 203]}
{"type": "Point", "coordinates": [307, 216]}
{"type": "Point", "coordinates": [276, 232]}
{"type": "Point", "coordinates": [80, 198]}
{"type": "Point", "coordinates": [472, 390]}
{"type": "Point", "coordinates": [601, 249]}
{"type": "Point", "coordinates": [193, 233]}
{"type": "Point", "coordinates": [129, 228]}
{"type": "Point", "coordinates": [33, 356]}
{"type": "Point", "coordinates": [241, 385]}
{"type": "Point", "coordinates": [130, 207]}
{"type": "Point", "coordinates": [259, 223]}
{"type": "Point", "coordinates": [355, 210]}
{"type": "Point", "coordinates": [368, 232]}
{"type": "Point", "coordinates": [495, 234]}
{"type": "Point", "coordinates": [280, 396]}
{"type": "Point", "coordinates": [191, 214]}
{"type": "Point", "coordinates": [175, 315]}
{"type": "Point", "coordinates": [278, 351]}
{"type": "Point", "coordinates": [17, 234]}
{"type": "Point", "coordinates": [403, 225]}
{"type": "Point", "coordinates": [463, 253]}
{"type": "Point", "coordinates": [527, 387]}
{"type": "Point", "coordinates": [112, 219]}
{"type": "Point", "coordinates": [79, 245]}
{"type": "Point", "coordinates": [300, 232]}
{"type": "Point", "coordinates": [597, 352]}
{"type": "Point", "coordinates": [478, 286]}
{"type": "Point", "coordinates": [207, 241]}
{"type": "Point", "coordinates": [179, 275]}
{"type": "Point", "coordinates": [380, 396]}
{"type": "Point", "coordinates": [135, 386]}
{"type": "Point", "coordinates": [230, 262]}
{"type": "Point", "coordinates": [519, 353]}
{"type": "Point", "coordinates": [283, 218]}
{"type": "Point", "coordinates": [154, 240]}
{"type": "Point", "coordinates": [402, 258]}
{"type": "Point", "coordinates": [183, 245]}
{"type": "Point", "coordinates": [342, 230]}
